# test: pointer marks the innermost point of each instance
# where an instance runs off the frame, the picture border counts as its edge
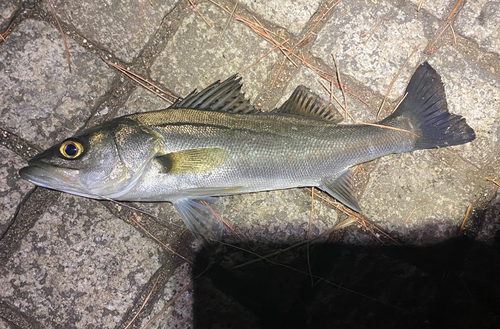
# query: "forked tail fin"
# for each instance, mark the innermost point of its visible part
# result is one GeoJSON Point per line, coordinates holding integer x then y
{"type": "Point", "coordinates": [426, 108]}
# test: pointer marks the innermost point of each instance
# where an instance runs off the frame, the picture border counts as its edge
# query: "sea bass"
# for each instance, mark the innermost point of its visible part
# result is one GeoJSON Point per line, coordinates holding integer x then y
{"type": "Point", "coordinates": [214, 142]}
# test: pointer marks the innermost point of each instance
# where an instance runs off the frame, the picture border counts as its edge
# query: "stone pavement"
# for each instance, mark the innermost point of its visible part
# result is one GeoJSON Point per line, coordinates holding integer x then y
{"type": "Point", "coordinates": [71, 262]}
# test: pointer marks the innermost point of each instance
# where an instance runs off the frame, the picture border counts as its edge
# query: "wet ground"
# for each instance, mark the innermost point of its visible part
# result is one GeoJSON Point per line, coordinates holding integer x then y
{"type": "Point", "coordinates": [71, 262]}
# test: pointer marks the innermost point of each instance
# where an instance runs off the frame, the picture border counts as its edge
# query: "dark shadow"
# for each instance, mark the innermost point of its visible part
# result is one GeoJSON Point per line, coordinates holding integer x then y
{"type": "Point", "coordinates": [454, 284]}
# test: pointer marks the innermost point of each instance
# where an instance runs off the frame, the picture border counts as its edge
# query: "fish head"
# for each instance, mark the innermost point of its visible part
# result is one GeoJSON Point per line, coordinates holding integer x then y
{"type": "Point", "coordinates": [101, 163]}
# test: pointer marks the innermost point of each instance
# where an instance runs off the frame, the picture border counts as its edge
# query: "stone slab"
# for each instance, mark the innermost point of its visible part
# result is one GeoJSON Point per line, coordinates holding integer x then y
{"type": "Point", "coordinates": [193, 60]}
{"type": "Point", "coordinates": [480, 21]}
{"type": "Point", "coordinates": [122, 27]}
{"type": "Point", "coordinates": [41, 101]}
{"type": "Point", "coordinates": [12, 188]}
{"type": "Point", "coordinates": [374, 61]}
{"type": "Point", "coordinates": [292, 15]}
{"type": "Point", "coordinates": [7, 11]}
{"type": "Point", "coordinates": [78, 267]}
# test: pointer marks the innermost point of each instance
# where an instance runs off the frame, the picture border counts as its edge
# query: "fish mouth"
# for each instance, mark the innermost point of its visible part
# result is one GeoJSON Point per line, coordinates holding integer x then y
{"type": "Point", "coordinates": [50, 177]}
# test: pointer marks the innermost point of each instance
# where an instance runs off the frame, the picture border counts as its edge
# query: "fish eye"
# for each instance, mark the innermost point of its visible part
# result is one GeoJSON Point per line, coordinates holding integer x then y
{"type": "Point", "coordinates": [71, 149]}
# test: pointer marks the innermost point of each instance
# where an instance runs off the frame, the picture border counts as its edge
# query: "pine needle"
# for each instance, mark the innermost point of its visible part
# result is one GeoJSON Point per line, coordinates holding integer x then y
{"type": "Point", "coordinates": [146, 85]}
{"type": "Point", "coordinates": [461, 229]}
{"type": "Point", "coordinates": [62, 34]}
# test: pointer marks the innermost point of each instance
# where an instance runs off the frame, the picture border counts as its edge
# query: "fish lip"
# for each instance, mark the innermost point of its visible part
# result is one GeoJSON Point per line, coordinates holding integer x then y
{"type": "Point", "coordinates": [40, 174]}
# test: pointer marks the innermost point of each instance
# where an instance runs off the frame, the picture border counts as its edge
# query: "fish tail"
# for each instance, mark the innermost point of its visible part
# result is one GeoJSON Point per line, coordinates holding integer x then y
{"type": "Point", "coordinates": [427, 111]}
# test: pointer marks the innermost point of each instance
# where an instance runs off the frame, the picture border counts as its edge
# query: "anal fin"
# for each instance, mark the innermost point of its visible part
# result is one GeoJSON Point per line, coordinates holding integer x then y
{"type": "Point", "coordinates": [197, 218]}
{"type": "Point", "coordinates": [341, 189]}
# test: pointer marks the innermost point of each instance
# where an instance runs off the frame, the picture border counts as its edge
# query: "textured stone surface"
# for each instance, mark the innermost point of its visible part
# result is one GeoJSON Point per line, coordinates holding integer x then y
{"type": "Point", "coordinates": [292, 15]}
{"type": "Point", "coordinates": [193, 60]}
{"type": "Point", "coordinates": [181, 314]}
{"type": "Point", "coordinates": [480, 21]}
{"type": "Point", "coordinates": [72, 263]}
{"type": "Point", "coordinates": [7, 10]}
{"type": "Point", "coordinates": [376, 62]}
{"type": "Point", "coordinates": [78, 267]}
{"type": "Point", "coordinates": [436, 8]}
{"type": "Point", "coordinates": [12, 188]}
{"type": "Point", "coordinates": [141, 100]}
{"type": "Point", "coordinates": [41, 101]}
{"type": "Point", "coordinates": [123, 27]}
{"type": "Point", "coordinates": [475, 94]}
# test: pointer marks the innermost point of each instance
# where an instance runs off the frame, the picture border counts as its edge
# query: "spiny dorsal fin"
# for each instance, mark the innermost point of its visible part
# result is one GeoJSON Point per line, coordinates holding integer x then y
{"type": "Point", "coordinates": [306, 103]}
{"type": "Point", "coordinates": [192, 161]}
{"type": "Point", "coordinates": [340, 188]}
{"type": "Point", "coordinates": [223, 96]}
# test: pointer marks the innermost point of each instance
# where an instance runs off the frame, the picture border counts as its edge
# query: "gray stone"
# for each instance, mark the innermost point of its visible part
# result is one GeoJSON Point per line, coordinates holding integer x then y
{"type": "Point", "coordinates": [123, 27]}
{"type": "Point", "coordinates": [435, 185]}
{"type": "Point", "coordinates": [41, 101]}
{"type": "Point", "coordinates": [142, 100]}
{"type": "Point", "coordinates": [436, 8]}
{"type": "Point", "coordinates": [78, 267]}
{"type": "Point", "coordinates": [180, 314]}
{"type": "Point", "coordinates": [375, 63]}
{"type": "Point", "coordinates": [7, 10]}
{"type": "Point", "coordinates": [276, 216]}
{"type": "Point", "coordinates": [480, 21]}
{"type": "Point", "coordinates": [12, 188]}
{"type": "Point", "coordinates": [474, 93]}
{"type": "Point", "coordinates": [193, 60]}
{"type": "Point", "coordinates": [292, 15]}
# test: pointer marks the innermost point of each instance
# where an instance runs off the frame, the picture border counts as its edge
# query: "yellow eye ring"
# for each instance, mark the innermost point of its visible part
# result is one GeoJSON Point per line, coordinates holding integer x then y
{"type": "Point", "coordinates": [71, 149]}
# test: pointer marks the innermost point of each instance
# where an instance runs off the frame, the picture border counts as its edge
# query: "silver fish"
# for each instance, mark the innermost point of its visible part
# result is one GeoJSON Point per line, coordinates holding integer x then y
{"type": "Point", "coordinates": [214, 143]}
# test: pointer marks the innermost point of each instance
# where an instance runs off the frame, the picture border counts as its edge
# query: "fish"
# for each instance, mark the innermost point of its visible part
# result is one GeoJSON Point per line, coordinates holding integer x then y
{"type": "Point", "coordinates": [216, 143]}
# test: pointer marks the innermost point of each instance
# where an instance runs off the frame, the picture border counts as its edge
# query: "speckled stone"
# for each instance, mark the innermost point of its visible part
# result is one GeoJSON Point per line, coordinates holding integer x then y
{"type": "Point", "coordinates": [180, 314]}
{"type": "Point", "coordinates": [292, 15]}
{"type": "Point", "coordinates": [12, 188]}
{"type": "Point", "coordinates": [375, 63]}
{"type": "Point", "coordinates": [437, 8]}
{"type": "Point", "coordinates": [41, 101]}
{"type": "Point", "coordinates": [7, 10]}
{"type": "Point", "coordinates": [436, 185]}
{"type": "Point", "coordinates": [193, 60]}
{"type": "Point", "coordinates": [142, 100]}
{"type": "Point", "coordinates": [480, 21]}
{"type": "Point", "coordinates": [474, 93]}
{"type": "Point", "coordinates": [124, 27]}
{"type": "Point", "coordinates": [78, 267]}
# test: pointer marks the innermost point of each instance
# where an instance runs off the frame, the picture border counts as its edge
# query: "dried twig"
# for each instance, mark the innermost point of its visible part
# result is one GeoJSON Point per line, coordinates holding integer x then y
{"type": "Point", "coordinates": [461, 229]}
{"type": "Point", "coordinates": [373, 31]}
{"type": "Point", "coordinates": [420, 5]}
{"type": "Point", "coordinates": [494, 181]}
{"type": "Point", "coordinates": [409, 216]}
{"type": "Point", "coordinates": [394, 79]}
{"type": "Point", "coordinates": [157, 240]}
{"type": "Point", "coordinates": [227, 23]}
{"type": "Point", "coordinates": [430, 48]}
{"type": "Point", "coordinates": [144, 303]}
{"type": "Point", "coordinates": [62, 34]}
{"type": "Point", "coordinates": [341, 85]}
{"type": "Point", "coordinates": [170, 302]}
{"type": "Point", "coordinates": [194, 7]}
{"type": "Point", "coordinates": [137, 78]}
{"type": "Point", "coordinates": [454, 10]}
{"type": "Point", "coordinates": [265, 55]}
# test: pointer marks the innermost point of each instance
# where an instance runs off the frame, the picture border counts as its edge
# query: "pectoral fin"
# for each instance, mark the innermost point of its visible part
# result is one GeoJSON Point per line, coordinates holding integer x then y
{"type": "Point", "coordinates": [192, 161]}
{"type": "Point", "coordinates": [340, 188]}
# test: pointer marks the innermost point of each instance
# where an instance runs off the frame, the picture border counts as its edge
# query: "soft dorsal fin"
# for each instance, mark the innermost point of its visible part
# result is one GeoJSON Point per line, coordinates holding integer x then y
{"type": "Point", "coordinates": [223, 96]}
{"type": "Point", "coordinates": [306, 103]}
{"type": "Point", "coordinates": [340, 188]}
{"type": "Point", "coordinates": [192, 161]}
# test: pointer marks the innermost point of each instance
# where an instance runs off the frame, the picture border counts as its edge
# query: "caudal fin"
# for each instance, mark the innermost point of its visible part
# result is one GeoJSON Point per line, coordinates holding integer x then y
{"type": "Point", "coordinates": [425, 105]}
